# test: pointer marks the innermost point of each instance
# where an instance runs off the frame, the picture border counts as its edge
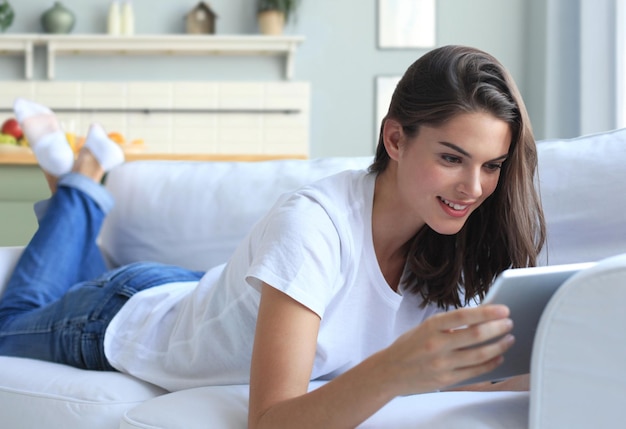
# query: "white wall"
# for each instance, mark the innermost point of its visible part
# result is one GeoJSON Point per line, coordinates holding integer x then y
{"type": "Point", "coordinates": [339, 57]}
{"type": "Point", "coordinates": [620, 17]}
{"type": "Point", "coordinates": [572, 67]}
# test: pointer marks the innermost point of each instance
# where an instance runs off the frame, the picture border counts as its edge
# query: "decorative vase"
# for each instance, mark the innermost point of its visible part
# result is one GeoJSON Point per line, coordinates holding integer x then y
{"type": "Point", "coordinates": [58, 19]}
{"type": "Point", "coordinates": [271, 22]}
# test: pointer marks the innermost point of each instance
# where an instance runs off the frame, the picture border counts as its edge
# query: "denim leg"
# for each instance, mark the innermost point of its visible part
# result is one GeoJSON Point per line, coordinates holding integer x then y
{"type": "Point", "coordinates": [71, 330]}
{"type": "Point", "coordinates": [53, 309]}
{"type": "Point", "coordinates": [63, 251]}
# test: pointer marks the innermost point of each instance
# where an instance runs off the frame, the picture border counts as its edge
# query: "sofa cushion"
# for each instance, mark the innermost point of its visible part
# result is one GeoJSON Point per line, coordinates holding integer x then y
{"type": "Point", "coordinates": [225, 407]}
{"type": "Point", "coordinates": [193, 214]}
{"type": "Point", "coordinates": [583, 191]}
{"type": "Point", "coordinates": [35, 394]}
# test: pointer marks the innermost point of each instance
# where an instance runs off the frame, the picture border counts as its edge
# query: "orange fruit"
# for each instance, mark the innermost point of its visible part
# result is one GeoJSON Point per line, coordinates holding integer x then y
{"type": "Point", "coordinates": [71, 140]}
{"type": "Point", "coordinates": [117, 137]}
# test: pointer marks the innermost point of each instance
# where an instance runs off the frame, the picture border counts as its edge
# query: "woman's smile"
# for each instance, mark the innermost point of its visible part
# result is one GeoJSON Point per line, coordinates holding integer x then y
{"type": "Point", "coordinates": [454, 209]}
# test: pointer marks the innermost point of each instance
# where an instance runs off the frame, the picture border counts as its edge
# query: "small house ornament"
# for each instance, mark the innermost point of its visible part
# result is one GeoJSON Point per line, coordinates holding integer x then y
{"type": "Point", "coordinates": [201, 19]}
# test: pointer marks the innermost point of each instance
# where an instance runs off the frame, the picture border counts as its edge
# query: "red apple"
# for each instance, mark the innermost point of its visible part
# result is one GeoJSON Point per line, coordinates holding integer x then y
{"type": "Point", "coordinates": [12, 127]}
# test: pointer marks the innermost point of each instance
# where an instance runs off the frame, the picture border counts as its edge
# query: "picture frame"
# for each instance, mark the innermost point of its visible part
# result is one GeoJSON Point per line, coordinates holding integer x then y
{"type": "Point", "coordinates": [406, 24]}
{"type": "Point", "coordinates": [385, 85]}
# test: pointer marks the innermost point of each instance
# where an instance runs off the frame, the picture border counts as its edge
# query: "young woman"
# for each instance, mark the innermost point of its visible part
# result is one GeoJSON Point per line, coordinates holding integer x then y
{"type": "Point", "coordinates": [363, 278]}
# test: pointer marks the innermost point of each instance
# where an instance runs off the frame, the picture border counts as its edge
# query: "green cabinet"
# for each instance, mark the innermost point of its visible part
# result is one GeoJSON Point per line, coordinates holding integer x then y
{"type": "Point", "coordinates": [20, 187]}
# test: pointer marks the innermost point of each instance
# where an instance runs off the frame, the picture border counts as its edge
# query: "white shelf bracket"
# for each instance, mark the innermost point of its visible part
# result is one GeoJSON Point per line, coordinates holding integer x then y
{"type": "Point", "coordinates": [51, 59]}
{"type": "Point", "coordinates": [28, 59]}
{"type": "Point", "coordinates": [289, 59]}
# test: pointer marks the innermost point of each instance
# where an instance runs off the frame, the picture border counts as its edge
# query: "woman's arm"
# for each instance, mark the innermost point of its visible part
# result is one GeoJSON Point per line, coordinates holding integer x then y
{"type": "Point", "coordinates": [424, 359]}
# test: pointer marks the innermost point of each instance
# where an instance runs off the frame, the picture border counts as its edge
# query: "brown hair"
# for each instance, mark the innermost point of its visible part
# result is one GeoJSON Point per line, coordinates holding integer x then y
{"type": "Point", "coordinates": [508, 229]}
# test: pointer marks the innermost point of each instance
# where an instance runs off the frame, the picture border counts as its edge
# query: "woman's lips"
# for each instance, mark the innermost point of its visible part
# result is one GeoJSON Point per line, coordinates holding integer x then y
{"type": "Point", "coordinates": [454, 209]}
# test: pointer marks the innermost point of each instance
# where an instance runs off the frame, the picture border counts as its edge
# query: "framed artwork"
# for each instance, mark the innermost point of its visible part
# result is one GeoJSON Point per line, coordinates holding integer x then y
{"type": "Point", "coordinates": [406, 23]}
{"type": "Point", "coordinates": [385, 85]}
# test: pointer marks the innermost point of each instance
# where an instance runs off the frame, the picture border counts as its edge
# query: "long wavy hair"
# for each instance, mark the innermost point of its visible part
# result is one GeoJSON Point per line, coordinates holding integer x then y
{"type": "Point", "coordinates": [508, 229]}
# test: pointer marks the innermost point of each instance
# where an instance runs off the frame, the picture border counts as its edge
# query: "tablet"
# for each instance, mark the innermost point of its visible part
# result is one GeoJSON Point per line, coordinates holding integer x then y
{"type": "Point", "coordinates": [526, 291]}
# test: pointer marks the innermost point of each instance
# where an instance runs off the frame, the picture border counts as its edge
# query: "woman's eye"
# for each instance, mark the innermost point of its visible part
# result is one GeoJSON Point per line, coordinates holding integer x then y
{"type": "Point", "coordinates": [493, 167]}
{"type": "Point", "coordinates": [451, 159]}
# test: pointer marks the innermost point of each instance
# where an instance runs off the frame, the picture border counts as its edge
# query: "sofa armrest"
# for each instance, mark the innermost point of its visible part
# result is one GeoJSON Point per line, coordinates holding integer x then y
{"type": "Point", "coordinates": [8, 259]}
{"type": "Point", "coordinates": [578, 377]}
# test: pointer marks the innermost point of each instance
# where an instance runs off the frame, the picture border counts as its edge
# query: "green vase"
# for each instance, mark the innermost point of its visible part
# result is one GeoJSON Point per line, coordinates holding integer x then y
{"type": "Point", "coordinates": [58, 19]}
{"type": "Point", "coordinates": [6, 15]}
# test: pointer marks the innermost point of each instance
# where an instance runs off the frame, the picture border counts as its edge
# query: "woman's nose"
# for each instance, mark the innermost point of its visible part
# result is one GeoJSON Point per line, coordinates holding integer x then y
{"type": "Point", "coordinates": [471, 184]}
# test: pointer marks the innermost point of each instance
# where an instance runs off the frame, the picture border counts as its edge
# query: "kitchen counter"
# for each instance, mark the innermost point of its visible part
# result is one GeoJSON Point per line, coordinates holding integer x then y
{"type": "Point", "coordinates": [26, 157]}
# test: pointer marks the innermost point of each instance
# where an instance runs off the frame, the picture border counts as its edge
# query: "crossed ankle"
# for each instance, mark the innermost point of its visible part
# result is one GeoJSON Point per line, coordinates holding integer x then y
{"type": "Point", "coordinates": [87, 165]}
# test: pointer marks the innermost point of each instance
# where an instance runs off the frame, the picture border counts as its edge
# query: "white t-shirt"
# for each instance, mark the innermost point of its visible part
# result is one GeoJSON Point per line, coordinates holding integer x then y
{"type": "Point", "coordinates": [316, 246]}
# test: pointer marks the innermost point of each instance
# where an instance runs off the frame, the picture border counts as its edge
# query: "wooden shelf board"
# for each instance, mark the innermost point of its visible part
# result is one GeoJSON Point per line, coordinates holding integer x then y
{"type": "Point", "coordinates": [27, 158]}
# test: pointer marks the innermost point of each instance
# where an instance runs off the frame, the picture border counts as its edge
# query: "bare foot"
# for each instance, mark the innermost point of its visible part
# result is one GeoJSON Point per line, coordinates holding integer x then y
{"type": "Point", "coordinates": [87, 165]}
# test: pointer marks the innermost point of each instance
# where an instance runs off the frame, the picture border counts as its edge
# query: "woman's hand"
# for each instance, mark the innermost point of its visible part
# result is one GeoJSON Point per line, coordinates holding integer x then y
{"type": "Point", "coordinates": [445, 350]}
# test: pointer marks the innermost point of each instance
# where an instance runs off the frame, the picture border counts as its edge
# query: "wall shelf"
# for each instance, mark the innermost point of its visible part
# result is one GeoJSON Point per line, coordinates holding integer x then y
{"type": "Point", "coordinates": [86, 44]}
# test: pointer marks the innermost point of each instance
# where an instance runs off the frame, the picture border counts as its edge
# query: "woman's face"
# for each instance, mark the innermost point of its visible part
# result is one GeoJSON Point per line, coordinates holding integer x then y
{"type": "Point", "coordinates": [444, 173]}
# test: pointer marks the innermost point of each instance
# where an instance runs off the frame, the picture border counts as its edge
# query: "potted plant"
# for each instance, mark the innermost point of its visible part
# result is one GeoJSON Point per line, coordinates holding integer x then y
{"type": "Point", "coordinates": [6, 15]}
{"type": "Point", "coordinates": [274, 14]}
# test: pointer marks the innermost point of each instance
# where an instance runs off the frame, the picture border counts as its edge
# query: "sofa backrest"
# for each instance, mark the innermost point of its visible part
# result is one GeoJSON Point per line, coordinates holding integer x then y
{"type": "Point", "coordinates": [194, 213]}
{"type": "Point", "coordinates": [583, 191]}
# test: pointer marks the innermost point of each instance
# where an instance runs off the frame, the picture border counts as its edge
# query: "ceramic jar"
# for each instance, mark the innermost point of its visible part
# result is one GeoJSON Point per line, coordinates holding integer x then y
{"type": "Point", "coordinates": [58, 19]}
{"type": "Point", "coordinates": [128, 19]}
{"type": "Point", "coordinates": [271, 22]}
{"type": "Point", "coordinates": [114, 24]}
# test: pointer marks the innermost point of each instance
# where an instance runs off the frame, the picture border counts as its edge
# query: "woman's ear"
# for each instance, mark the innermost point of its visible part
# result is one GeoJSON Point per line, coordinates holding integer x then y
{"type": "Point", "coordinates": [392, 137]}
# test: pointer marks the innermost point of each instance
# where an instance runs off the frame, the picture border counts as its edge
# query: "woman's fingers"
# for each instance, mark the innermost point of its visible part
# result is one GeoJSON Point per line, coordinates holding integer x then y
{"type": "Point", "coordinates": [469, 316]}
{"type": "Point", "coordinates": [470, 327]}
{"type": "Point", "coordinates": [451, 347]}
{"type": "Point", "coordinates": [480, 347]}
{"type": "Point", "coordinates": [481, 360]}
{"type": "Point", "coordinates": [479, 334]}
{"type": "Point", "coordinates": [477, 356]}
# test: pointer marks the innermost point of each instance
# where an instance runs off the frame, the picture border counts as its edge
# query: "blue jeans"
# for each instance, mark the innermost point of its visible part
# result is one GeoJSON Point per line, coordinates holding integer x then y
{"type": "Point", "coordinates": [60, 297]}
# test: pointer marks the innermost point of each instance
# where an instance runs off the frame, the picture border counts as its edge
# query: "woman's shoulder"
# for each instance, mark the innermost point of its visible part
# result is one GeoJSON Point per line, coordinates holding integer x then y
{"type": "Point", "coordinates": [348, 186]}
{"type": "Point", "coordinates": [336, 203]}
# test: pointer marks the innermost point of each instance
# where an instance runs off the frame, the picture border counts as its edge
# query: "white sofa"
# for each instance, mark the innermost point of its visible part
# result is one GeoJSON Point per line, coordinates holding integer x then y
{"type": "Point", "coordinates": [193, 214]}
